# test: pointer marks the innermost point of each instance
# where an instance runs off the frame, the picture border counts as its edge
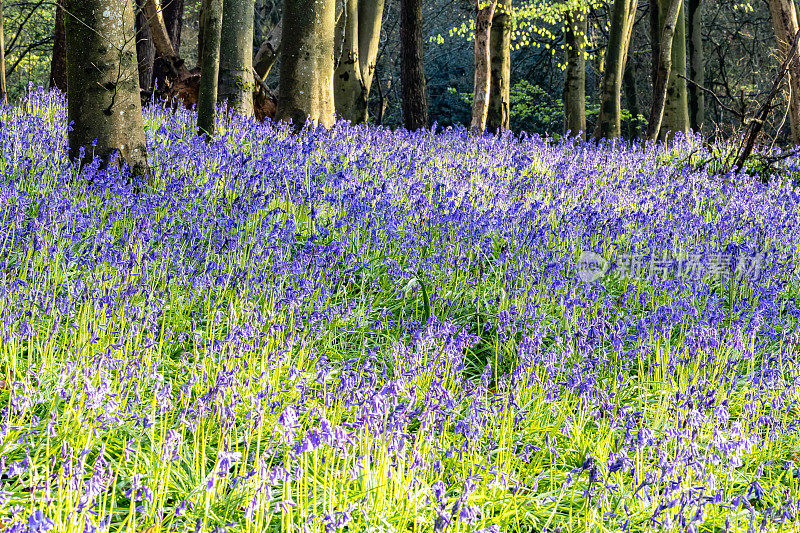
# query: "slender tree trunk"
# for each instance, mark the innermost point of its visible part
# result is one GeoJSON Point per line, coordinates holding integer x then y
{"type": "Point", "coordinates": [632, 100]}
{"type": "Point", "coordinates": [697, 98]}
{"type": "Point", "coordinates": [575, 30]}
{"type": "Point", "coordinates": [172, 11]}
{"type": "Point", "coordinates": [209, 77]}
{"type": "Point", "coordinates": [145, 50]}
{"type": "Point", "coordinates": [172, 63]}
{"type": "Point", "coordinates": [58, 65]}
{"type": "Point", "coordinates": [103, 82]}
{"type": "Point", "coordinates": [622, 18]}
{"type": "Point", "coordinates": [307, 62]}
{"type": "Point", "coordinates": [664, 69]}
{"type": "Point", "coordinates": [412, 73]}
{"type": "Point", "coordinates": [483, 65]}
{"type": "Point", "coordinates": [676, 105]}
{"type": "Point", "coordinates": [498, 118]}
{"type": "Point", "coordinates": [268, 52]}
{"type": "Point", "coordinates": [3, 86]}
{"type": "Point", "coordinates": [236, 56]}
{"type": "Point", "coordinates": [784, 22]}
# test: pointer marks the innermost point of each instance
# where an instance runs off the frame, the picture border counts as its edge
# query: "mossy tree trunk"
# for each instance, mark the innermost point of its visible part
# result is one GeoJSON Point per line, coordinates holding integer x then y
{"type": "Point", "coordinates": [307, 62]}
{"type": "Point", "coordinates": [676, 104]}
{"type": "Point", "coordinates": [103, 82]}
{"type": "Point", "coordinates": [352, 80]}
{"type": "Point", "coordinates": [3, 86]}
{"type": "Point", "coordinates": [631, 99]}
{"type": "Point", "coordinates": [209, 75]}
{"type": "Point", "coordinates": [697, 101]}
{"type": "Point", "coordinates": [236, 81]}
{"type": "Point", "coordinates": [575, 28]}
{"type": "Point", "coordinates": [622, 18]}
{"type": "Point", "coordinates": [498, 118]}
{"type": "Point", "coordinates": [412, 72]}
{"type": "Point", "coordinates": [784, 22]}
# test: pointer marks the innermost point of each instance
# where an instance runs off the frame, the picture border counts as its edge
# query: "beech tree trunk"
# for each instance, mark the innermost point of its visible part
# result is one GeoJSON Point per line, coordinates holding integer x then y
{"type": "Point", "coordinates": [622, 18]}
{"type": "Point", "coordinates": [498, 118]}
{"type": "Point", "coordinates": [664, 69]}
{"type": "Point", "coordinates": [145, 51]}
{"type": "Point", "coordinates": [676, 104]}
{"type": "Point", "coordinates": [103, 83]}
{"type": "Point", "coordinates": [352, 79]}
{"type": "Point", "coordinates": [697, 98]}
{"type": "Point", "coordinates": [209, 76]}
{"type": "Point", "coordinates": [236, 56]}
{"type": "Point", "coordinates": [575, 30]}
{"type": "Point", "coordinates": [785, 25]}
{"type": "Point", "coordinates": [58, 65]}
{"type": "Point", "coordinates": [172, 11]}
{"type": "Point", "coordinates": [483, 65]}
{"type": "Point", "coordinates": [412, 72]}
{"type": "Point", "coordinates": [307, 62]}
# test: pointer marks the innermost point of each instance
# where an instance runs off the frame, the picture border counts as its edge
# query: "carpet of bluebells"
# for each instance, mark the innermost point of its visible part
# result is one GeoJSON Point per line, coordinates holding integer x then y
{"type": "Point", "coordinates": [361, 330]}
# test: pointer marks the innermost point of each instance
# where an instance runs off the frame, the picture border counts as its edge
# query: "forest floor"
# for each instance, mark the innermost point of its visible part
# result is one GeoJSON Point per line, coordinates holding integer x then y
{"type": "Point", "coordinates": [359, 329]}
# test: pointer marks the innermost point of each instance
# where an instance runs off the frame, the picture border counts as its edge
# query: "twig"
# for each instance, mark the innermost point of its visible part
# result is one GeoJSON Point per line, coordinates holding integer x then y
{"type": "Point", "coordinates": [712, 93]}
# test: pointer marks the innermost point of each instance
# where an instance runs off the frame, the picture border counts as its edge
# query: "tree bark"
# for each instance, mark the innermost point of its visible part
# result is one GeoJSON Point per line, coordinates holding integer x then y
{"type": "Point", "coordinates": [307, 63]}
{"type": "Point", "coordinates": [103, 83]}
{"type": "Point", "coordinates": [664, 69]}
{"type": "Point", "coordinates": [575, 29]}
{"type": "Point", "coordinates": [145, 51]}
{"type": "Point", "coordinates": [58, 65]}
{"type": "Point", "coordinates": [3, 85]}
{"type": "Point", "coordinates": [697, 98]}
{"type": "Point", "coordinates": [785, 25]}
{"type": "Point", "coordinates": [412, 72]}
{"type": "Point", "coordinates": [209, 77]}
{"type": "Point", "coordinates": [268, 52]}
{"type": "Point", "coordinates": [236, 56]}
{"type": "Point", "coordinates": [172, 11]}
{"type": "Point", "coordinates": [622, 19]}
{"type": "Point", "coordinates": [632, 100]}
{"type": "Point", "coordinates": [498, 118]}
{"type": "Point", "coordinates": [483, 65]}
{"type": "Point", "coordinates": [173, 65]}
{"type": "Point", "coordinates": [676, 105]}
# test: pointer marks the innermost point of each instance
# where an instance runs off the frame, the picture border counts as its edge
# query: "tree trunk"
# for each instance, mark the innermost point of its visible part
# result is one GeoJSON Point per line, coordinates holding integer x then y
{"type": "Point", "coordinates": [664, 69]}
{"type": "Point", "coordinates": [103, 82]}
{"type": "Point", "coordinates": [172, 63]}
{"type": "Point", "coordinates": [784, 22]}
{"type": "Point", "coordinates": [412, 73]}
{"type": "Point", "coordinates": [575, 30]}
{"type": "Point", "coordinates": [632, 100]}
{"type": "Point", "coordinates": [307, 57]}
{"type": "Point", "coordinates": [622, 18]}
{"type": "Point", "coordinates": [172, 11]}
{"type": "Point", "coordinates": [483, 65]}
{"type": "Point", "coordinates": [697, 98]}
{"type": "Point", "coordinates": [236, 56]}
{"type": "Point", "coordinates": [145, 51]}
{"type": "Point", "coordinates": [500, 86]}
{"type": "Point", "coordinates": [268, 52]}
{"type": "Point", "coordinates": [58, 65]}
{"type": "Point", "coordinates": [676, 105]}
{"type": "Point", "coordinates": [209, 77]}
{"type": "Point", "coordinates": [3, 86]}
